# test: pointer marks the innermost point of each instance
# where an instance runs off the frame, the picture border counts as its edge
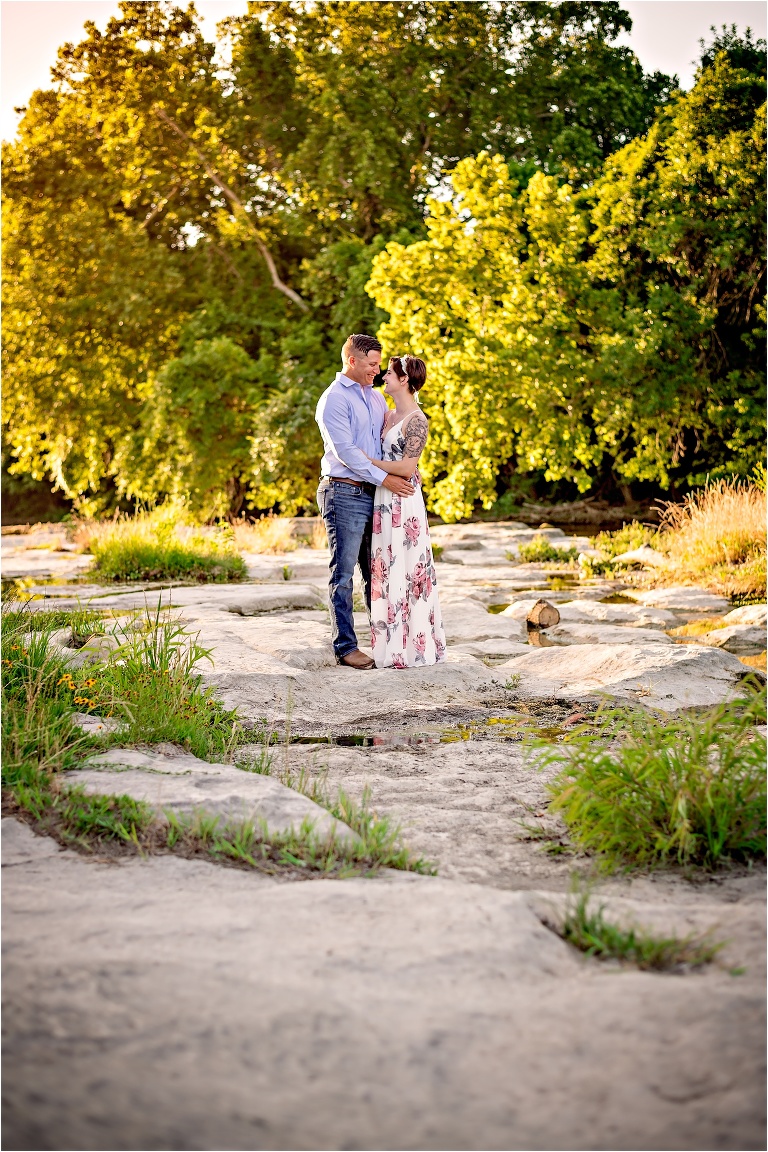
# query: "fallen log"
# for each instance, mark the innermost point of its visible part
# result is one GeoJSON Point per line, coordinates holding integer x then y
{"type": "Point", "coordinates": [543, 615]}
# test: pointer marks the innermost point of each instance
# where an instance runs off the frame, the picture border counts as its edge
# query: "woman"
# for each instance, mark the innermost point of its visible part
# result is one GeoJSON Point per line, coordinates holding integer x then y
{"type": "Point", "coordinates": [406, 625]}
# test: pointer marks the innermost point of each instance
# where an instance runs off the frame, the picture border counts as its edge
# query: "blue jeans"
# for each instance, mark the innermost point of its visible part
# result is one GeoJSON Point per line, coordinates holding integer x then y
{"type": "Point", "coordinates": [348, 514]}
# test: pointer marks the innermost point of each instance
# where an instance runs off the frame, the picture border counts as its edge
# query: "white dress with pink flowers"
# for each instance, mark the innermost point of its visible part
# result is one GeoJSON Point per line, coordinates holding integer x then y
{"type": "Point", "coordinates": [406, 625]}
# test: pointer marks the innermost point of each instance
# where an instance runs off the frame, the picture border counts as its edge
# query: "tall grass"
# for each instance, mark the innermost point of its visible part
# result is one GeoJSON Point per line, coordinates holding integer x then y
{"type": "Point", "coordinates": [718, 534]}
{"type": "Point", "coordinates": [644, 791]}
{"type": "Point", "coordinates": [319, 537]}
{"type": "Point", "coordinates": [716, 537]}
{"type": "Point", "coordinates": [153, 685]}
{"type": "Point", "coordinates": [269, 535]}
{"type": "Point", "coordinates": [161, 545]}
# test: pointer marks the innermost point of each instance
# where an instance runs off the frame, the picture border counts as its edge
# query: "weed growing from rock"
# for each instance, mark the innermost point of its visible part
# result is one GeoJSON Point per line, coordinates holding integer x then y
{"type": "Point", "coordinates": [588, 930]}
{"type": "Point", "coordinates": [153, 686]}
{"type": "Point", "coordinates": [40, 740]}
{"type": "Point", "coordinates": [380, 840]}
{"type": "Point", "coordinates": [643, 790]}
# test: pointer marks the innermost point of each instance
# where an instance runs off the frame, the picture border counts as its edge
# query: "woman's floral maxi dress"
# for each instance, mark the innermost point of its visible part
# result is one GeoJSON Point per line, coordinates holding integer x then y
{"type": "Point", "coordinates": [406, 625]}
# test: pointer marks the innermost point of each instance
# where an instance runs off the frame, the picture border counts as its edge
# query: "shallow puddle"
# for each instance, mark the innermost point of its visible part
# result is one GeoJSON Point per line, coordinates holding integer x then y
{"type": "Point", "coordinates": [539, 639]}
{"type": "Point", "coordinates": [549, 734]}
{"type": "Point", "coordinates": [499, 729]}
{"type": "Point", "coordinates": [365, 739]}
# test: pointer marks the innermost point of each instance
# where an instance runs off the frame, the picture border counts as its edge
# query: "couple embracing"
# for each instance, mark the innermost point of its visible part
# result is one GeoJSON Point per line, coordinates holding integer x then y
{"type": "Point", "coordinates": [371, 501]}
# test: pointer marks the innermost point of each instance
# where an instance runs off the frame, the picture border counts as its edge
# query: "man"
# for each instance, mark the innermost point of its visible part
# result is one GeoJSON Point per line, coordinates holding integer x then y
{"type": "Point", "coordinates": [350, 416]}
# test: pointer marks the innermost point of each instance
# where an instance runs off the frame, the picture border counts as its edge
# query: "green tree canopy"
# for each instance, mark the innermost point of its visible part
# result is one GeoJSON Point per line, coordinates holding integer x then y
{"type": "Point", "coordinates": [621, 323]}
{"type": "Point", "coordinates": [187, 244]}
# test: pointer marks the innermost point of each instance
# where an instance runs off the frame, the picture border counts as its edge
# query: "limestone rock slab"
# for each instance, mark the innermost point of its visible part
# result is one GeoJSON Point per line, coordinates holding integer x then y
{"type": "Point", "coordinates": [266, 642]}
{"type": "Point", "coordinates": [468, 621]}
{"type": "Point", "coordinates": [632, 615]}
{"type": "Point", "coordinates": [184, 784]}
{"type": "Point", "coordinates": [20, 845]}
{"type": "Point", "coordinates": [738, 638]}
{"type": "Point", "coordinates": [754, 614]}
{"type": "Point", "coordinates": [661, 676]}
{"type": "Point", "coordinates": [596, 633]}
{"type": "Point", "coordinates": [345, 698]}
{"type": "Point", "coordinates": [275, 598]}
{"type": "Point", "coordinates": [170, 1003]}
{"type": "Point", "coordinates": [686, 598]}
{"type": "Point", "coordinates": [495, 647]}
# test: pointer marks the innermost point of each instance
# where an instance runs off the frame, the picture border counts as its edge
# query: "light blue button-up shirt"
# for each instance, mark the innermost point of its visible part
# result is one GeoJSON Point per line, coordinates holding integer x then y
{"type": "Point", "coordinates": [350, 419]}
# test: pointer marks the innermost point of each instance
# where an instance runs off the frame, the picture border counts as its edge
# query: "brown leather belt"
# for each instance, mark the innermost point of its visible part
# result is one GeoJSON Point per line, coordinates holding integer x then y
{"type": "Point", "coordinates": [364, 485]}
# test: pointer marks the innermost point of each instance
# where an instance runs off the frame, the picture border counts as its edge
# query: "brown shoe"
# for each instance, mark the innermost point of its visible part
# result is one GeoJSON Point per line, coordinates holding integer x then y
{"type": "Point", "coordinates": [357, 659]}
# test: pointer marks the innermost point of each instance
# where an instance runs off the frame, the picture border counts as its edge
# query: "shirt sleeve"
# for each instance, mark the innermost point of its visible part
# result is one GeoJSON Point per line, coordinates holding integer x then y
{"type": "Point", "coordinates": [333, 418]}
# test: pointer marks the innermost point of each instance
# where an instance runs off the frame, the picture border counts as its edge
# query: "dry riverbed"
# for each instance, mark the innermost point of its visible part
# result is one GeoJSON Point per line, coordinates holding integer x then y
{"type": "Point", "coordinates": [169, 1003]}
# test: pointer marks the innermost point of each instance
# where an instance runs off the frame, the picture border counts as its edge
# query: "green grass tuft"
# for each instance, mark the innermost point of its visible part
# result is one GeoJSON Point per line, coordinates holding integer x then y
{"type": "Point", "coordinates": [590, 932]}
{"type": "Point", "coordinates": [626, 539]}
{"type": "Point", "coordinates": [158, 545]}
{"type": "Point", "coordinates": [645, 791]}
{"type": "Point", "coordinates": [380, 839]}
{"type": "Point", "coordinates": [540, 551]}
{"type": "Point", "coordinates": [153, 686]}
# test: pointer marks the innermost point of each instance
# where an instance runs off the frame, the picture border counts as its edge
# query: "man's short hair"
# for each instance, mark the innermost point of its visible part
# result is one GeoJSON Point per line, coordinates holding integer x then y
{"type": "Point", "coordinates": [359, 344]}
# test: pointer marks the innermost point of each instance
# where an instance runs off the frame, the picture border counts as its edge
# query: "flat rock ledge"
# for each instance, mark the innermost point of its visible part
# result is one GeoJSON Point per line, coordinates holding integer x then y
{"type": "Point", "coordinates": [178, 782]}
{"type": "Point", "coordinates": [660, 676]}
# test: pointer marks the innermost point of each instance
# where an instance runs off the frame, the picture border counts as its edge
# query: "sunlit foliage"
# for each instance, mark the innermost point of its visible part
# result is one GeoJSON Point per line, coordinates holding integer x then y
{"type": "Point", "coordinates": [187, 244]}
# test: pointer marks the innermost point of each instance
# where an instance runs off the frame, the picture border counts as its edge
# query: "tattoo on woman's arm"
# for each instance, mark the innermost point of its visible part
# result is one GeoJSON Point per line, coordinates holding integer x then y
{"type": "Point", "coordinates": [416, 436]}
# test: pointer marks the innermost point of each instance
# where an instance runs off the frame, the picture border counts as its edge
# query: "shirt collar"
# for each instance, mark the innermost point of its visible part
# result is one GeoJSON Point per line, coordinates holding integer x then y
{"type": "Point", "coordinates": [345, 380]}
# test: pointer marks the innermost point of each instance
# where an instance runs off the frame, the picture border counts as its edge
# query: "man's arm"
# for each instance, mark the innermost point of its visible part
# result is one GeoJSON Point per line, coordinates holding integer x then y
{"type": "Point", "coordinates": [334, 423]}
{"type": "Point", "coordinates": [416, 431]}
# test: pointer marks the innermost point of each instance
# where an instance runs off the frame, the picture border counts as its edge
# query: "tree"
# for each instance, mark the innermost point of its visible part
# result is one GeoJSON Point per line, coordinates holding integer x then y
{"type": "Point", "coordinates": [680, 232]}
{"type": "Point", "coordinates": [496, 300]}
{"type": "Point", "coordinates": [167, 221]}
{"type": "Point", "coordinates": [622, 323]}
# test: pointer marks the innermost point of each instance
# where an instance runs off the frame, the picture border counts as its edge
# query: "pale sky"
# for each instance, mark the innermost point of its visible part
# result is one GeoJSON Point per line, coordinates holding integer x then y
{"type": "Point", "coordinates": [665, 35]}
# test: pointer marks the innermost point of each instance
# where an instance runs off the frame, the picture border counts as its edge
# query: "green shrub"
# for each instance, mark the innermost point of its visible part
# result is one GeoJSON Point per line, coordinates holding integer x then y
{"type": "Point", "coordinates": [540, 551]}
{"type": "Point", "coordinates": [645, 791]}
{"type": "Point", "coordinates": [154, 689]}
{"type": "Point", "coordinates": [626, 539]}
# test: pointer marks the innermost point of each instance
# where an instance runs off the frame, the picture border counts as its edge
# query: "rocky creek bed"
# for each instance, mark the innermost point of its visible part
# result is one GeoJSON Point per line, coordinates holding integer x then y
{"type": "Point", "coordinates": [168, 1003]}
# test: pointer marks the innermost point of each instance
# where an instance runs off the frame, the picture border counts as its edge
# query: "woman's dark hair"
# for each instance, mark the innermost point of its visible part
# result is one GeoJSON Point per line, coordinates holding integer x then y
{"type": "Point", "coordinates": [412, 367]}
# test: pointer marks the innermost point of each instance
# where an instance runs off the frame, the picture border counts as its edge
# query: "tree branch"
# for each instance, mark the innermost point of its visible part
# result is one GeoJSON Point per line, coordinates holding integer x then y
{"type": "Point", "coordinates": [160, 206]}
{"type": "Point", "coordinates": [236, 203]}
